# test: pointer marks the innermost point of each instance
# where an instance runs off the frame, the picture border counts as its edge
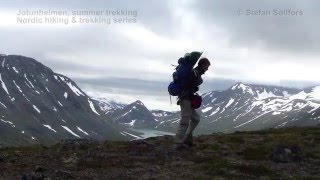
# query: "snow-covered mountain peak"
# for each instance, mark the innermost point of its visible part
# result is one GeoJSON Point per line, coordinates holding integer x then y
{"type": "Point", "coordinates": [243, 88]}
{"type": "Point", "coordinates": [314, 94]}
{"type": "Point", "coordinates": [138, 102]}
{"type": "Point", "coordinates": [264, 94]}
{"type": "Point", "coordinates": [108, 105]}
{"type": "Point", "coordinates": [311, 94]}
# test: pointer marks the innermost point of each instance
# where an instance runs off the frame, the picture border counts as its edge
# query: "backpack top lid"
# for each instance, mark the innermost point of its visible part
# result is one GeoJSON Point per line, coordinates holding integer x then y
{"type": "Point", "coordinates": [195, 55]}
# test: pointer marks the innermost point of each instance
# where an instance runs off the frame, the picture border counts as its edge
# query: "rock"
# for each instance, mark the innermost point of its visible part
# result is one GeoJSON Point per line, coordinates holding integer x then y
{"type": "Point", "coordinates": [2, 158]}
{"type": "Point", "coordinates": [39, 169]}
{"type": "Point", "coordinates": [18, 153]}
{"type": "Point", "coordinates": [72, 160]}
{"type": "Point", "coordinates": [63, 174]}
{"type": "Point", "coordinates": [26, 177]}
{"type": "Point", "coordinates": [32, 176]}
{"type": "Point", "coordinates": [287, 154]}
{"type": "Point", "coordinates": [13, 160]}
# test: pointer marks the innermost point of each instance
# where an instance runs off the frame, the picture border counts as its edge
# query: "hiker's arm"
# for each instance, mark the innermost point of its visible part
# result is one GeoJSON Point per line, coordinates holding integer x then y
{"type": "Point", "coordinates": [191, 83]}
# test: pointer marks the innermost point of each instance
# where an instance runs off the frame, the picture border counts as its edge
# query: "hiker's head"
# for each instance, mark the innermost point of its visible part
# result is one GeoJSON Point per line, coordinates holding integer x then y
{"type": "Point", "coordinates": [204, 64]}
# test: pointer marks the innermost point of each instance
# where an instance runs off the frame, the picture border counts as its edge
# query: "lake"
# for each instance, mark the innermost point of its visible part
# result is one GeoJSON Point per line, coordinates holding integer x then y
{"type": "Point", "coordinates": [151, 133]}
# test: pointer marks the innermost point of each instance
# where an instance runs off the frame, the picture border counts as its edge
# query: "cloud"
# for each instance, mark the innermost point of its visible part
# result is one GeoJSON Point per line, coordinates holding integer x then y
{"type": "Point", "coordinates": [296, 33]}
{"type": "Point", "coordinates": [107, 59]}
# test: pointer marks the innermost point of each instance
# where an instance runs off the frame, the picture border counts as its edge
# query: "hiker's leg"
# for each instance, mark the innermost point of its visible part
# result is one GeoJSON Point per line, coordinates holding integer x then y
{"type": "Point", "coordinates": [186, 113]}
{"type": "Point", "coordinates": [194, 121]}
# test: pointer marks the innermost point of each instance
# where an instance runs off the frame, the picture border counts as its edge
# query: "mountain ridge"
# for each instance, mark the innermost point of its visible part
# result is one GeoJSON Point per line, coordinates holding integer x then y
{"type": "Point", "coordinates": [241, 104]}
{"type": "Point", "coordinates": [45, 106]}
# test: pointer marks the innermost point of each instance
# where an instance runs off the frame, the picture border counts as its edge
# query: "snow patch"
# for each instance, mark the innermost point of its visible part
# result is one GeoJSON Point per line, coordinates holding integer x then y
{"type": "Point", "coordinates": [25, 76]}
{"type": "Point", "coordinates": [60, 103]}
{"type": "Point", "coordinates": [15, 70]}
{"type": "Point", "coordinates": [286, 94]}
{"type": "Point", "coordinates": [92, 107]}
{"type": "Point", "coordinates": [206, 109]}
{"type": "Point", "coordinates": [251, 120]}
{"type": "Point", "coordinates": [287, 108]}
{"type": "Point", "coordinates": [62, 78]}
{"type": "Point", "coordinates": [314, 94]}
{"type": "Point", "coordinates": [157, 114]}
{"type": "Point", "coordinates": [125, 114]}
{"type": "Point", "coordinates": [4, 59]}
{"type": "Point", "coordinates": [75, 89]}
{"type": "Point", "coordinates": [17, 86]}
{"type": "Point", "coordinates": [276, 113]}
{"type": "Point", "coordinates": [131, 123]}
{"type": "Point", "coordinates": [230, 102]}
{"type": "Point", "coordinates": [265, 95]}
{"type": "Point", "coordinates": [70, 131]}
{"type": "Point", "coordinates": [214, 112]}
{"type": "Point", "coordinates": [35, 107]}
{"type": "Point", "coordinates": [3, 85]}
{"type": "Point", "coordinates": [3, 105]}
{"type": "Point", "coordinates": [84, 132]}
{"type": "Point", "coordinates": [281, 125]}
{"type": "Point", "coordinates": [314, 105]}
{"type": "Point", "coordinates": [123, 134]}
{"type": "Point", "coordinates": [49, 127]}
{"type": "Point", "coordinates": [137, 137]}
{"type": "Point", "coordinates": [8, 122]}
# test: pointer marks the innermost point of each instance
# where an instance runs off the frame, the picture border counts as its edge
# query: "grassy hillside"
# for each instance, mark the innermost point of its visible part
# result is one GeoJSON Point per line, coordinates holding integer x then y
{"type": "Point", "coordinates": [271, 154]}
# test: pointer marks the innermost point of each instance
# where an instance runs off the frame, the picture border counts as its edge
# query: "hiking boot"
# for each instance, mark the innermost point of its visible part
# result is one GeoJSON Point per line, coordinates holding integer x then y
{"type": "Point", "coordinates": [189, 140]}
{"type": "Point", "coordinates": [189, 143]}
{"type": "Point", "coordinates": [180, 147]}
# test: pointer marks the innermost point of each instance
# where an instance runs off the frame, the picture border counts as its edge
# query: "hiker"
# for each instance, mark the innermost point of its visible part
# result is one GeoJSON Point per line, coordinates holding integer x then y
{"type": "Point", "coordinates": [187, 101]}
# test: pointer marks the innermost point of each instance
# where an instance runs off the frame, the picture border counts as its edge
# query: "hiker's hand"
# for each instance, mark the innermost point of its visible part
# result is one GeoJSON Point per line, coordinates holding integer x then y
{"type": "Point", "coordinates": [196, 89]}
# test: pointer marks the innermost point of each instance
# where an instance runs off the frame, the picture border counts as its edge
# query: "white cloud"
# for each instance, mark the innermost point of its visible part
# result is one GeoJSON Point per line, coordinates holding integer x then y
{"type": "Point", "coordinates": [240, 48]}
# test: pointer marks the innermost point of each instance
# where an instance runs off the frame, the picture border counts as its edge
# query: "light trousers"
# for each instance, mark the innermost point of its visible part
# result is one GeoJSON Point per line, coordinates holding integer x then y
{"type": "Point", "coordinates": [188, 122]}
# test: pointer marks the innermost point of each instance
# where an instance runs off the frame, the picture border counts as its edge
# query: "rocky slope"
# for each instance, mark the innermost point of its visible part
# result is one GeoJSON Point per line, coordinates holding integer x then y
{"type": "Point", "coordinates": [38, 105]}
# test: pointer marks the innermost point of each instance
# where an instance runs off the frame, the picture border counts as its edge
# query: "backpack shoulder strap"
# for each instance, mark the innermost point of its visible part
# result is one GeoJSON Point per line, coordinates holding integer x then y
{"type": "Point", "coordinates": [196, 73]}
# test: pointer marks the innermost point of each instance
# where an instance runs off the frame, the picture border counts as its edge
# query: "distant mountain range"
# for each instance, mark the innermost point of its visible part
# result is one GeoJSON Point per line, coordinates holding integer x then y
{"type": "Point", "coordinates": [38, 105]}
{"type": "Point", "coordinates": [241, 107]}
{"type": "Point", "coordinates": [254, 107]}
